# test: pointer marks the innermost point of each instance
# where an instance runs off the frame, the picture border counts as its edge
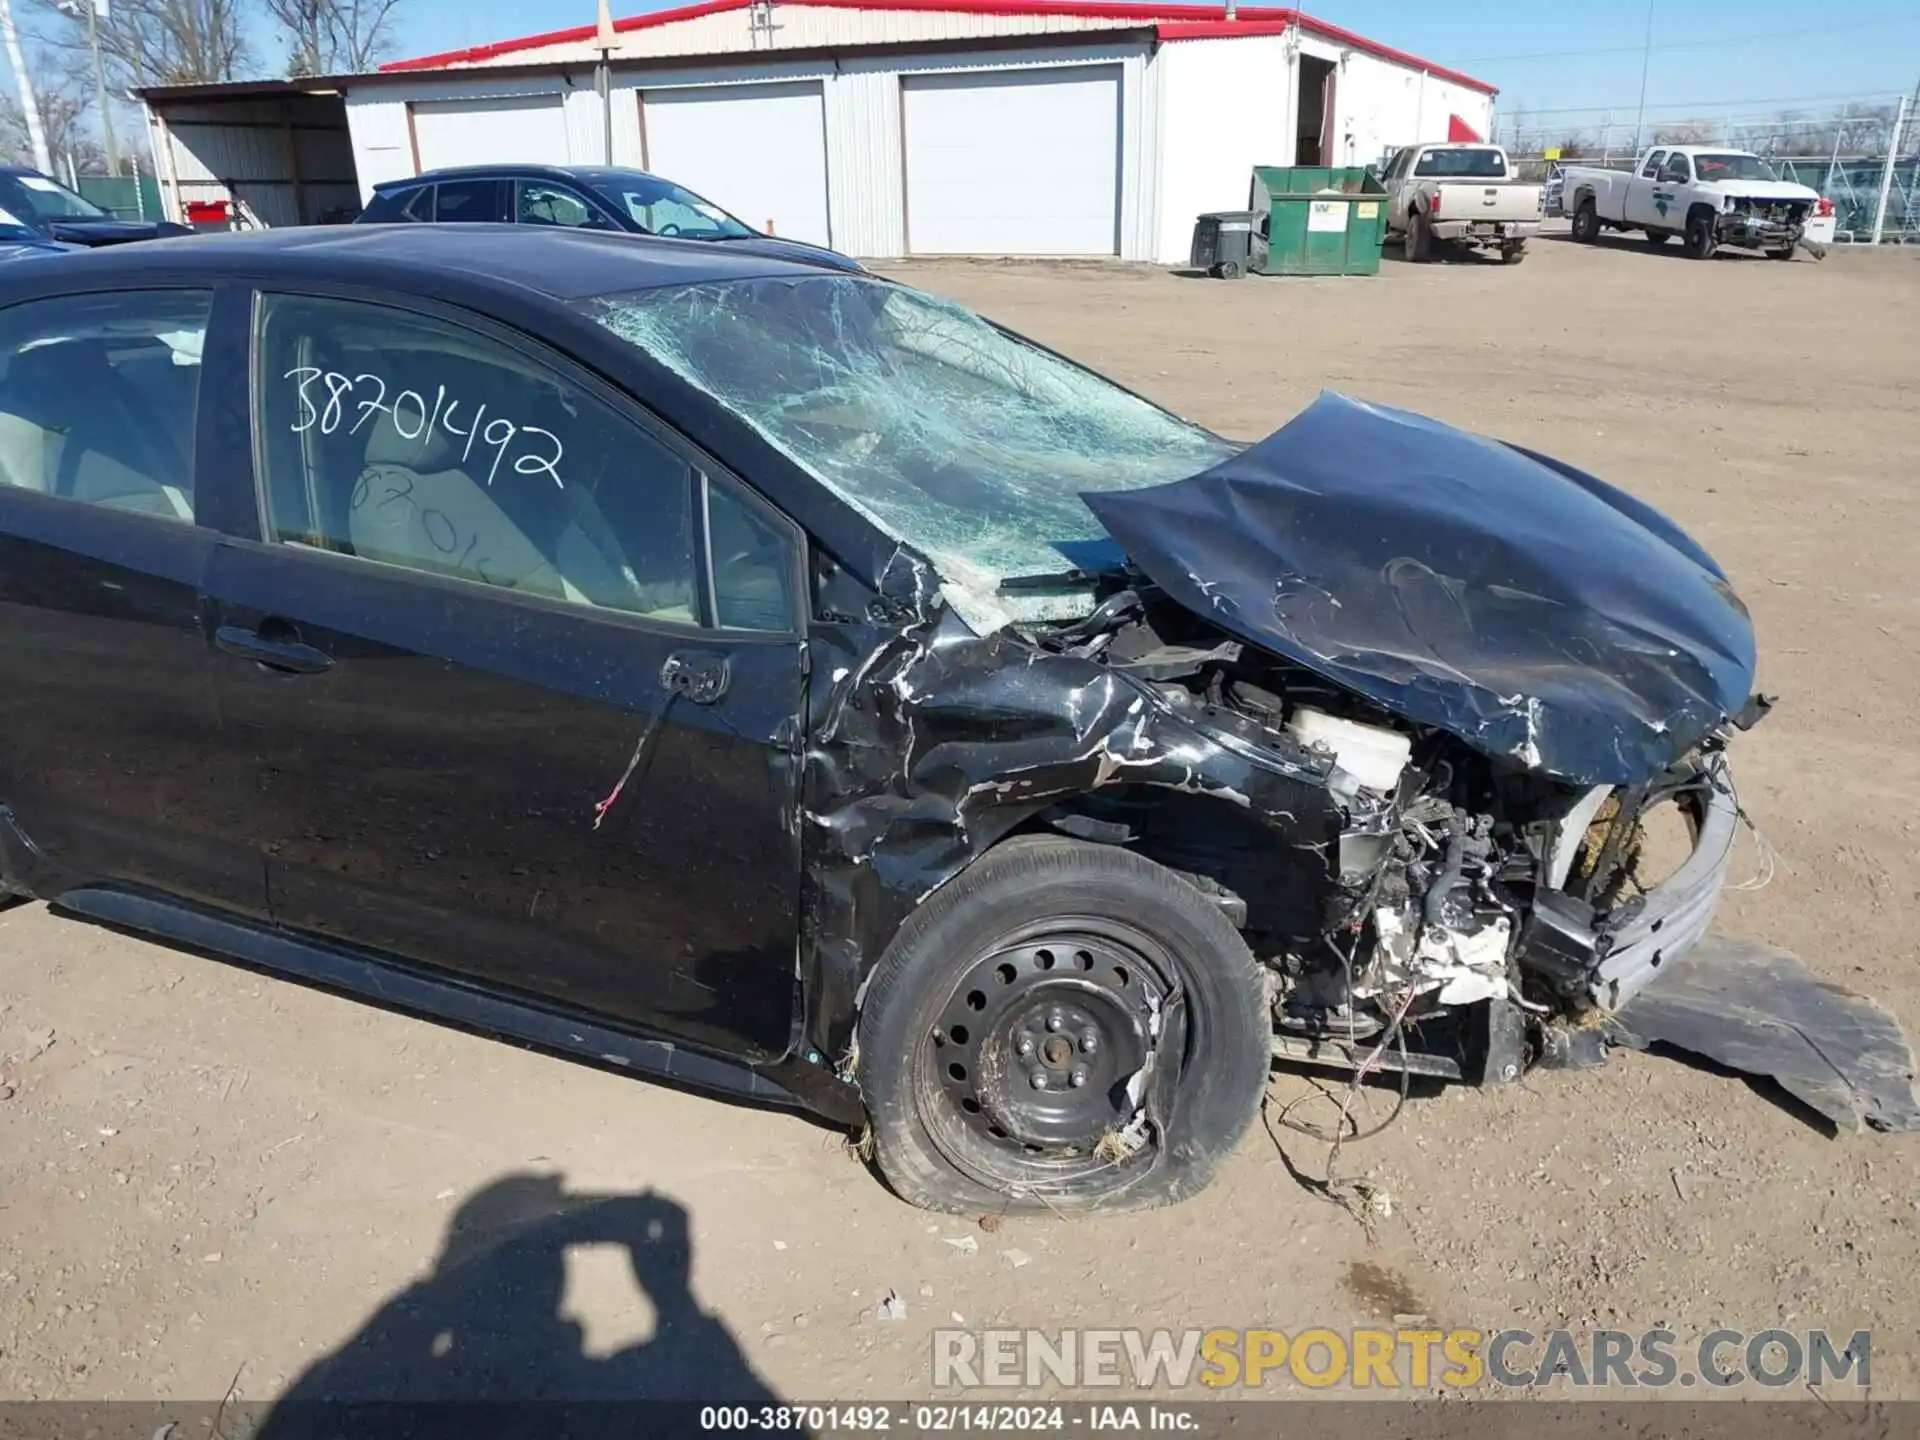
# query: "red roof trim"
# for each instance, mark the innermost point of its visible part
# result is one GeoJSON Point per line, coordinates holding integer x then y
{"type": "Point", "coordinates": [1221, 29]}
{"type": "Point", "coordinates": [1172, 21]}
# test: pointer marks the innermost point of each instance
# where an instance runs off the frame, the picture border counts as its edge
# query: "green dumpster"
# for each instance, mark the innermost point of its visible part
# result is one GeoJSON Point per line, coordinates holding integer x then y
{"type": "Point", "coordinates": [1319, 221]}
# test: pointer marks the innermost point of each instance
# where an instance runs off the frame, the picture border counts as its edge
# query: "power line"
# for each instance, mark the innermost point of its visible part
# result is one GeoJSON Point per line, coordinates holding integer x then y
{"type": "Point", "coordinates": [1717, 107]}
{"type": "Point", "coordinates": [1713, 41]}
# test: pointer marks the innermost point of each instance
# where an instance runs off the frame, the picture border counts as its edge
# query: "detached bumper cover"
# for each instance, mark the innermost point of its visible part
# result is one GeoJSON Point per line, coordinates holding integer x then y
{"type": "Point", "coordinates": [1752, 1008]}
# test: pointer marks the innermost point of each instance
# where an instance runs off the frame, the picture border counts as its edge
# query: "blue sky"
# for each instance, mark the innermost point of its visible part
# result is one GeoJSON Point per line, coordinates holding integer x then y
{"type": "Point", "coordinates": [1710, 57]}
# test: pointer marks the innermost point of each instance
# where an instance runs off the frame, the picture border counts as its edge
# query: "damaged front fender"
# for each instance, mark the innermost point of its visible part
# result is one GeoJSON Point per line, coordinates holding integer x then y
{"type": "Point", "coordinates": [930, 743]}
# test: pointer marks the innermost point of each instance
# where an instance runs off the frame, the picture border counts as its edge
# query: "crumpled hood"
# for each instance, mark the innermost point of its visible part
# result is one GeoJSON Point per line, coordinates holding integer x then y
{"type": "Point", "coordinates": [1533, 611]}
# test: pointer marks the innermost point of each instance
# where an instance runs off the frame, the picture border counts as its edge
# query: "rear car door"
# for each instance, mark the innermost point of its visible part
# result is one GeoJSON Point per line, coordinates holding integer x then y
{"type": "Point", "coordinates": [511, 717]}
{"type": "Point", "coordinates": [110, 765]}
{"type": "Point", "coordinates": [471, 202]}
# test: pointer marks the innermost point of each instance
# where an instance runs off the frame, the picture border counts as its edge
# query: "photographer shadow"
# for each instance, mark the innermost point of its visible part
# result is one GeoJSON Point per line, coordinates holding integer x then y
{"type": "Point", "coordinates": [486, 1326]}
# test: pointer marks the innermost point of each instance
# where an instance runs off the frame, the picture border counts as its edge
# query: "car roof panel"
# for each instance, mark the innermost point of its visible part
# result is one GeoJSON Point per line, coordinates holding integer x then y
{"type": "Point", "coordinates": [561, 263]}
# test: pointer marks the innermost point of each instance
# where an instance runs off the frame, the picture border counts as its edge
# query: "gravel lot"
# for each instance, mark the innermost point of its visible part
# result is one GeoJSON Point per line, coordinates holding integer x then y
{"type": "Point", "coordinates": [210, 1181]}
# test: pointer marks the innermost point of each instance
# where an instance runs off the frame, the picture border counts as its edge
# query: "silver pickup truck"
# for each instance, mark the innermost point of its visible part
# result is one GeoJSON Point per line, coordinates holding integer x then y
{"type": "Point", "coordinates": [1460, 194]}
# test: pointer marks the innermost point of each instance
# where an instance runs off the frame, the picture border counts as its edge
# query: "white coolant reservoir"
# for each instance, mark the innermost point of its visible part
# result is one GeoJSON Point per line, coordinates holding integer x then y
{"type": "Point", "coordinates": [1372, 755]}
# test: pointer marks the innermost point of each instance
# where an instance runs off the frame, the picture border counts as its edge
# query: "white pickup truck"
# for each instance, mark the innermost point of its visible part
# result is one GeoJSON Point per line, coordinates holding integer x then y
{"type": "Point", "coordinates": [1707, 194]}
{"type": "Point", "coordinates": [1464, 194]}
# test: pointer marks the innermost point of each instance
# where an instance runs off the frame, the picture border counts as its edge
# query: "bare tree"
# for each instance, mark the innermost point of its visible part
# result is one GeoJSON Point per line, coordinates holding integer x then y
{"type": "Point", "coordinates": [66, 116]}
{"type": "Point", "coordinates": [160, 42]}
{"type": "Point", "coordinates": [1687, 132]}
{"type": "Point", "coordinates": [334, 37]}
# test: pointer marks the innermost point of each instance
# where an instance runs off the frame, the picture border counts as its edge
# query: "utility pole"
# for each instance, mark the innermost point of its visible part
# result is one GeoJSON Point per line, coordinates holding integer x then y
{"type": "Point", "coordinates": [29, 107]}
{"type": "Point", "coordinates": [96, 12]}
{"type": "Point", "coordinates": [603, 76]}
{"type": "Point", "coordinates": [1646, 60]}
{"type": "Point", "coordinates": [1886, 170]}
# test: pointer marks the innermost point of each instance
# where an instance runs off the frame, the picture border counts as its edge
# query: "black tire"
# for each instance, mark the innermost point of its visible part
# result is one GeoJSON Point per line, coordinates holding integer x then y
{"type": "Point", "coordinates": [1229, 270]}
{"type": "Point", "coordinates": [1046, 944]}
{"type": "Point", "coordinates": [1786, 254]}
{"type": "Point", "coordinates": [1586, 222]}
{"type": "Point", "coordinates": [1701, 242]}
{"type": "Point", "coordinates": [1419, 239]}
{"type": "Point", "coordinates": [1512, 254]}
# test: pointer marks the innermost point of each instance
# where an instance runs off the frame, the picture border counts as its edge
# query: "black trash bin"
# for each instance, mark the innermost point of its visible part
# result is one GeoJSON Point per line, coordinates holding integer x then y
{"type": "Point", "coordinates": [1223, 242]}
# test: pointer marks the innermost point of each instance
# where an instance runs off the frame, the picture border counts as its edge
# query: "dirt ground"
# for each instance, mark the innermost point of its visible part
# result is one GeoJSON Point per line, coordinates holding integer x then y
{"type": "Point", "coordinates": [210, 1180]}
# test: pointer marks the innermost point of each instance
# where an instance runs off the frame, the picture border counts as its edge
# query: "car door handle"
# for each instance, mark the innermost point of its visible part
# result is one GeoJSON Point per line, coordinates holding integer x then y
{"type": "Point", "coordinates": [700, 675]}
{"type": "Point", "coordinates": [291, 656]}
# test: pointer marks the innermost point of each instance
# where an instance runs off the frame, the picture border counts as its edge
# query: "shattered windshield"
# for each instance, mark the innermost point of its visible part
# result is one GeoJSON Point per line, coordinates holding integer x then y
{"type": "Point", "coordinates": [967, 443]}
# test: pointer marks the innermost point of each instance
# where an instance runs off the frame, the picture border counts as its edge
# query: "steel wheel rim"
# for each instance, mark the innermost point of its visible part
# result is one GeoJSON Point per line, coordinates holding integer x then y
{"type": "Point", "coordinates": [1054, 987]}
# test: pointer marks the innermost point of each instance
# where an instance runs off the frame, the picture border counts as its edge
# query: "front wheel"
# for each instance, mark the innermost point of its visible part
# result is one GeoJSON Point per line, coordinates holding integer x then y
{"type": "Point", "coordinates": [1066, 1027]}
{"type": "Point", "coordinates": [1781, 254]}
{"type": "Point", "coordinates": [1701, 240]}
{"type": "Point", "coordinates": [1512, 254]}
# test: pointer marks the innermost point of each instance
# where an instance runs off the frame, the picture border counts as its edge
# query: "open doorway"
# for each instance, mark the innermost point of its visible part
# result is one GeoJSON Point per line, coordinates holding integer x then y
{"type": "Point", "coordinates": [1313, 126]}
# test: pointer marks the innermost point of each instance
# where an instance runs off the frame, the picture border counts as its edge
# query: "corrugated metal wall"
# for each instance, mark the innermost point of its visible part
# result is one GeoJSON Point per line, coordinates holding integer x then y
{"type": "Point", "coordinates": [862, 112]}
{"type": "Point", "coordinates": [382, 131]}
{"type": "Point", "coordinates": [285, 161]}
{"type": "Point", "coordinates": [865, 170]}
{"type": "Point", "coordinates": [1225, 107]}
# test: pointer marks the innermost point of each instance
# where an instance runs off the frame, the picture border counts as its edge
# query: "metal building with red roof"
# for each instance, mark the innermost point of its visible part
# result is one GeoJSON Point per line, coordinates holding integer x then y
{"type": "Point", "coordinates": [926, 127]}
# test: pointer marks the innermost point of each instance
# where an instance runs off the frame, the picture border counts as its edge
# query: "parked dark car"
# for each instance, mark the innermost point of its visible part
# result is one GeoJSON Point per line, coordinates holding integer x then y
{"type": "Point", "coordinates": [581, 197]}
{"type": "Point", "coordinates": [793, 685]}
{"type": "Point", "coordinates": [54, 212]}
{"type": "Point", "coordinates": [22, 242]}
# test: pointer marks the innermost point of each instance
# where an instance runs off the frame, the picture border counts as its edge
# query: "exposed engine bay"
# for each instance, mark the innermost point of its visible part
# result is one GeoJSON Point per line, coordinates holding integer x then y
{"type": "Point", "coordinates": [1428, 869]}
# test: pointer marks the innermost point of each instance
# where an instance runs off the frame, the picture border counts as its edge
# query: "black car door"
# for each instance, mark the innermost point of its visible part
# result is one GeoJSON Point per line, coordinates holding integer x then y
{"type": "Point", "coordinates": [508, 719]}
{"type": "Point", "coordinates": [110, 764]}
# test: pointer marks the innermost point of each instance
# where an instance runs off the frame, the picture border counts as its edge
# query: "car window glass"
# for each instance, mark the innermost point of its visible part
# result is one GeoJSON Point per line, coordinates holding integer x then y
{"type": "Point", "coordinates": [418, 205]}
{"type": "Point", "coordinates": [35, 196]}
{"type": "Point", "coordinates": [412, 441]}
{"type": "Point", "coordinates": [544, 204]}
{"type": "Point", "coordinates": [98, 395]}
{"type": "Point", "coordinates": [753, 564]}
{"type": "Point", "coordinates": [1676, 170]}
{"type": "Point", "coordinates": [1652, 167]}
{"type": "Point", "coordinates": [468, 200]}
{"type": "Point", "coordinates": [1465, 163]}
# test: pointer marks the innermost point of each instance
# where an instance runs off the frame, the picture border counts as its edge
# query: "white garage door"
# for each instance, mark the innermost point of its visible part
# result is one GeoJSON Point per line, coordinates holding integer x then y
{"type": "Point", "coordinates": [759, 151]}
{"type": "Point", "coordinates": [519, 130]}
{"type": "Point", "coordinates": [1014, 162]}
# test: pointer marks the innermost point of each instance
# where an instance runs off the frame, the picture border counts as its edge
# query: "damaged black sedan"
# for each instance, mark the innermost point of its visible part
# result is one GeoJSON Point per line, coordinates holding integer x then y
{"type": "Point", "coordinates": [793, 685]}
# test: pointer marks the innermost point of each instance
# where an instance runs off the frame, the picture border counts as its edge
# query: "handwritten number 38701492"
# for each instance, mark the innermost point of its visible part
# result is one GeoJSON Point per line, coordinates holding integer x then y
{"type": "Point", "coordinates": [326, 410]}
